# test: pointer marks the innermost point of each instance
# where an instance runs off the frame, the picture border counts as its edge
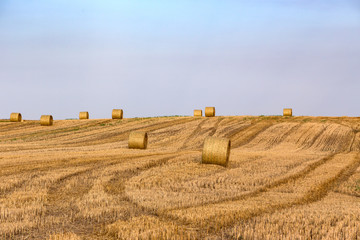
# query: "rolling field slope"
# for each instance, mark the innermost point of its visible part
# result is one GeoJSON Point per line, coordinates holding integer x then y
{"type": "Point", "coordinates": [288, 178]}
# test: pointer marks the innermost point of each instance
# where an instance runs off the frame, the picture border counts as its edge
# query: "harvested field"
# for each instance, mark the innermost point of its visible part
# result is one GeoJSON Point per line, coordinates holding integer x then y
{"type": "Point", "coordinates": [287, 178]}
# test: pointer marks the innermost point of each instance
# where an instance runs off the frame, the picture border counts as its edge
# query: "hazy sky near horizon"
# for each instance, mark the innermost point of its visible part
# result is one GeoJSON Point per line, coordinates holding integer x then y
{"type": "Point", "coordinates": [161, 57]}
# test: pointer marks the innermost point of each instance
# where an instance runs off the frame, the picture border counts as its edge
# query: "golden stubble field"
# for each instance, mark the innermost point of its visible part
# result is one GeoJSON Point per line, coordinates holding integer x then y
{"type": "Point", "coordinates": [288, 178]}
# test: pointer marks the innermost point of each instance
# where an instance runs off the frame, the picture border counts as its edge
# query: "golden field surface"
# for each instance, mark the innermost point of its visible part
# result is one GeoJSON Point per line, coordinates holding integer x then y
{"type": "Point", "coordinates": [287, 178]}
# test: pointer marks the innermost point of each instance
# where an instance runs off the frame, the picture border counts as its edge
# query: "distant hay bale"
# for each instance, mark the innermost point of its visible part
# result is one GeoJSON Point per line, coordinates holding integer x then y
{"type": "Point", "coordinates": [216, 151]}
{"type": "Point", "coordinates": [138, 140]}
{"type": "Point", "coordinates": [287, 112]}
{"type": "Point", "coordinates": [15, 117]}
{"type": "Point", "coordinates": [210, 112]}
{"type": "Point", "coordinates": [46, 120]}
{"type": "Point", "coordinates": [84, 115]}
{"type": "Point", "coordinates": [117, 114]}
{"type": "Point", "coordinates": [197, 113]}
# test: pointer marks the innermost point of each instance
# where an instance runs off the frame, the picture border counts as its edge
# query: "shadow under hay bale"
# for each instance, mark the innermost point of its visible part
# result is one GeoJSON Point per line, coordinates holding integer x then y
{"type": "Point", "coordinates": [46, 120]}
{"type": "Point", "coordinates": [15, 117]}
{"type": "Point", "coordinates": [117, 114]}
{"type": "Point", "coordinates": [210, 112]}
{"type": "Point", "coordinates": [197, 113]}
{"type": "Point", "coordinates": [216, 151]}
{"type": "Point", "coordinates": [84, 115]}
{"type": "Point", "coordinates": [138, 140]}
{"type": "Point", "coordinates": [287, 112]}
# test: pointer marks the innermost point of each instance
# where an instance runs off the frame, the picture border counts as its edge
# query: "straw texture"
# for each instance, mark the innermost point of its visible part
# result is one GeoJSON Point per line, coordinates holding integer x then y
{"type": "Point", "coordinates": [15, 117]}
{"type": "Point", "coordinates": [287, 112]}
{"type": "Point", "coordinates": [46, 120]}
{"type": "Point", "coordinates": [210, 112]}
{"type": "Point", "coordinates": [117, 114]}
{"type": "Point", "coordinates": [216, 151]}
{"type": "Point", "coordinates": [138, 140]}
{"type": "Point", "coordinates": [84, 115]}
{"type": "Point", "coordinates": [197, 113]}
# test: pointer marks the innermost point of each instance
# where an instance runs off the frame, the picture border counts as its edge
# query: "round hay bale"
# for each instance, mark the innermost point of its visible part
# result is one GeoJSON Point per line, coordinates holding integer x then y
{"type": "Point", "coordinates": [210, 112]}
{"type": "Point", "coordinates": [15, 117]}
{"type": "Point", "coordinates": [197, 113]}
{"type": "Point", "coordinates": [117, 114]}
{"type": "Point", "coordinates": [46, 120]}
{"type": "Point", "coordinates": [287, 112]}
{"type": "Point", "coordinates": [84, 115]}
{"type": "Point", "coordinates": [216, 151]}
{"type": "Point", "coordinates": [138, 140]}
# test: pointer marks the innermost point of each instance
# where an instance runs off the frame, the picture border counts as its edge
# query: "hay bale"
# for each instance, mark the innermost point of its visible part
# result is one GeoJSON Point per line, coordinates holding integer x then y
{"type": "Point", "coordinates": [197, 113]}
{"type": "Point", "coordinates": [138, 140]}
{"type": "Point", "coordinates": [287, 112]}
{"type": "Point", "coordinates": [15, 117]}
{"type": "Point", "coordinates": [84, 115]}
{"type": "Point", "coordinates": [46, 120]}
{"type": "Point", "coordinates": [216, 151]}
{"type": "Point", "coordinates": [210, 112]}
{"type": "Point", "coordinates": [117, 114]}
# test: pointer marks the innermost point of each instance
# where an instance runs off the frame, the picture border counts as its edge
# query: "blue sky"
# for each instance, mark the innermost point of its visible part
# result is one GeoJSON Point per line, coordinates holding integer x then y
{"type": "Point", "coordinates": [155, 58]}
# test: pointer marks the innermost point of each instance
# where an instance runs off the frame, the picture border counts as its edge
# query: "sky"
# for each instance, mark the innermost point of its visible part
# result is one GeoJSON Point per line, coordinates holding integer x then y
{"type": "Point", "coordinates": [162, 57]}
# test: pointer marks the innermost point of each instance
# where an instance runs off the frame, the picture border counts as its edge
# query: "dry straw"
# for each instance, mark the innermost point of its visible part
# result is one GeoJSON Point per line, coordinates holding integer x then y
{"type": "Point", "coordinates": [84, 115]}
{"type": "Point", "coordinates": [216, 151]}
{"type": "Point", "coordinates": [287, 112]}
{"type": "Point", "coordinates": [138, 140]}
{"type": "Point", "coordinates": [197, 113]}
{"type": "Point", "coordinates": [210, 112]}
{"type": "Point", "coordinates": [117, 114]}
{"type": "Point", "coordinates": [46, 120]}
{"type": "Point", "coordinates": [15, 117]}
